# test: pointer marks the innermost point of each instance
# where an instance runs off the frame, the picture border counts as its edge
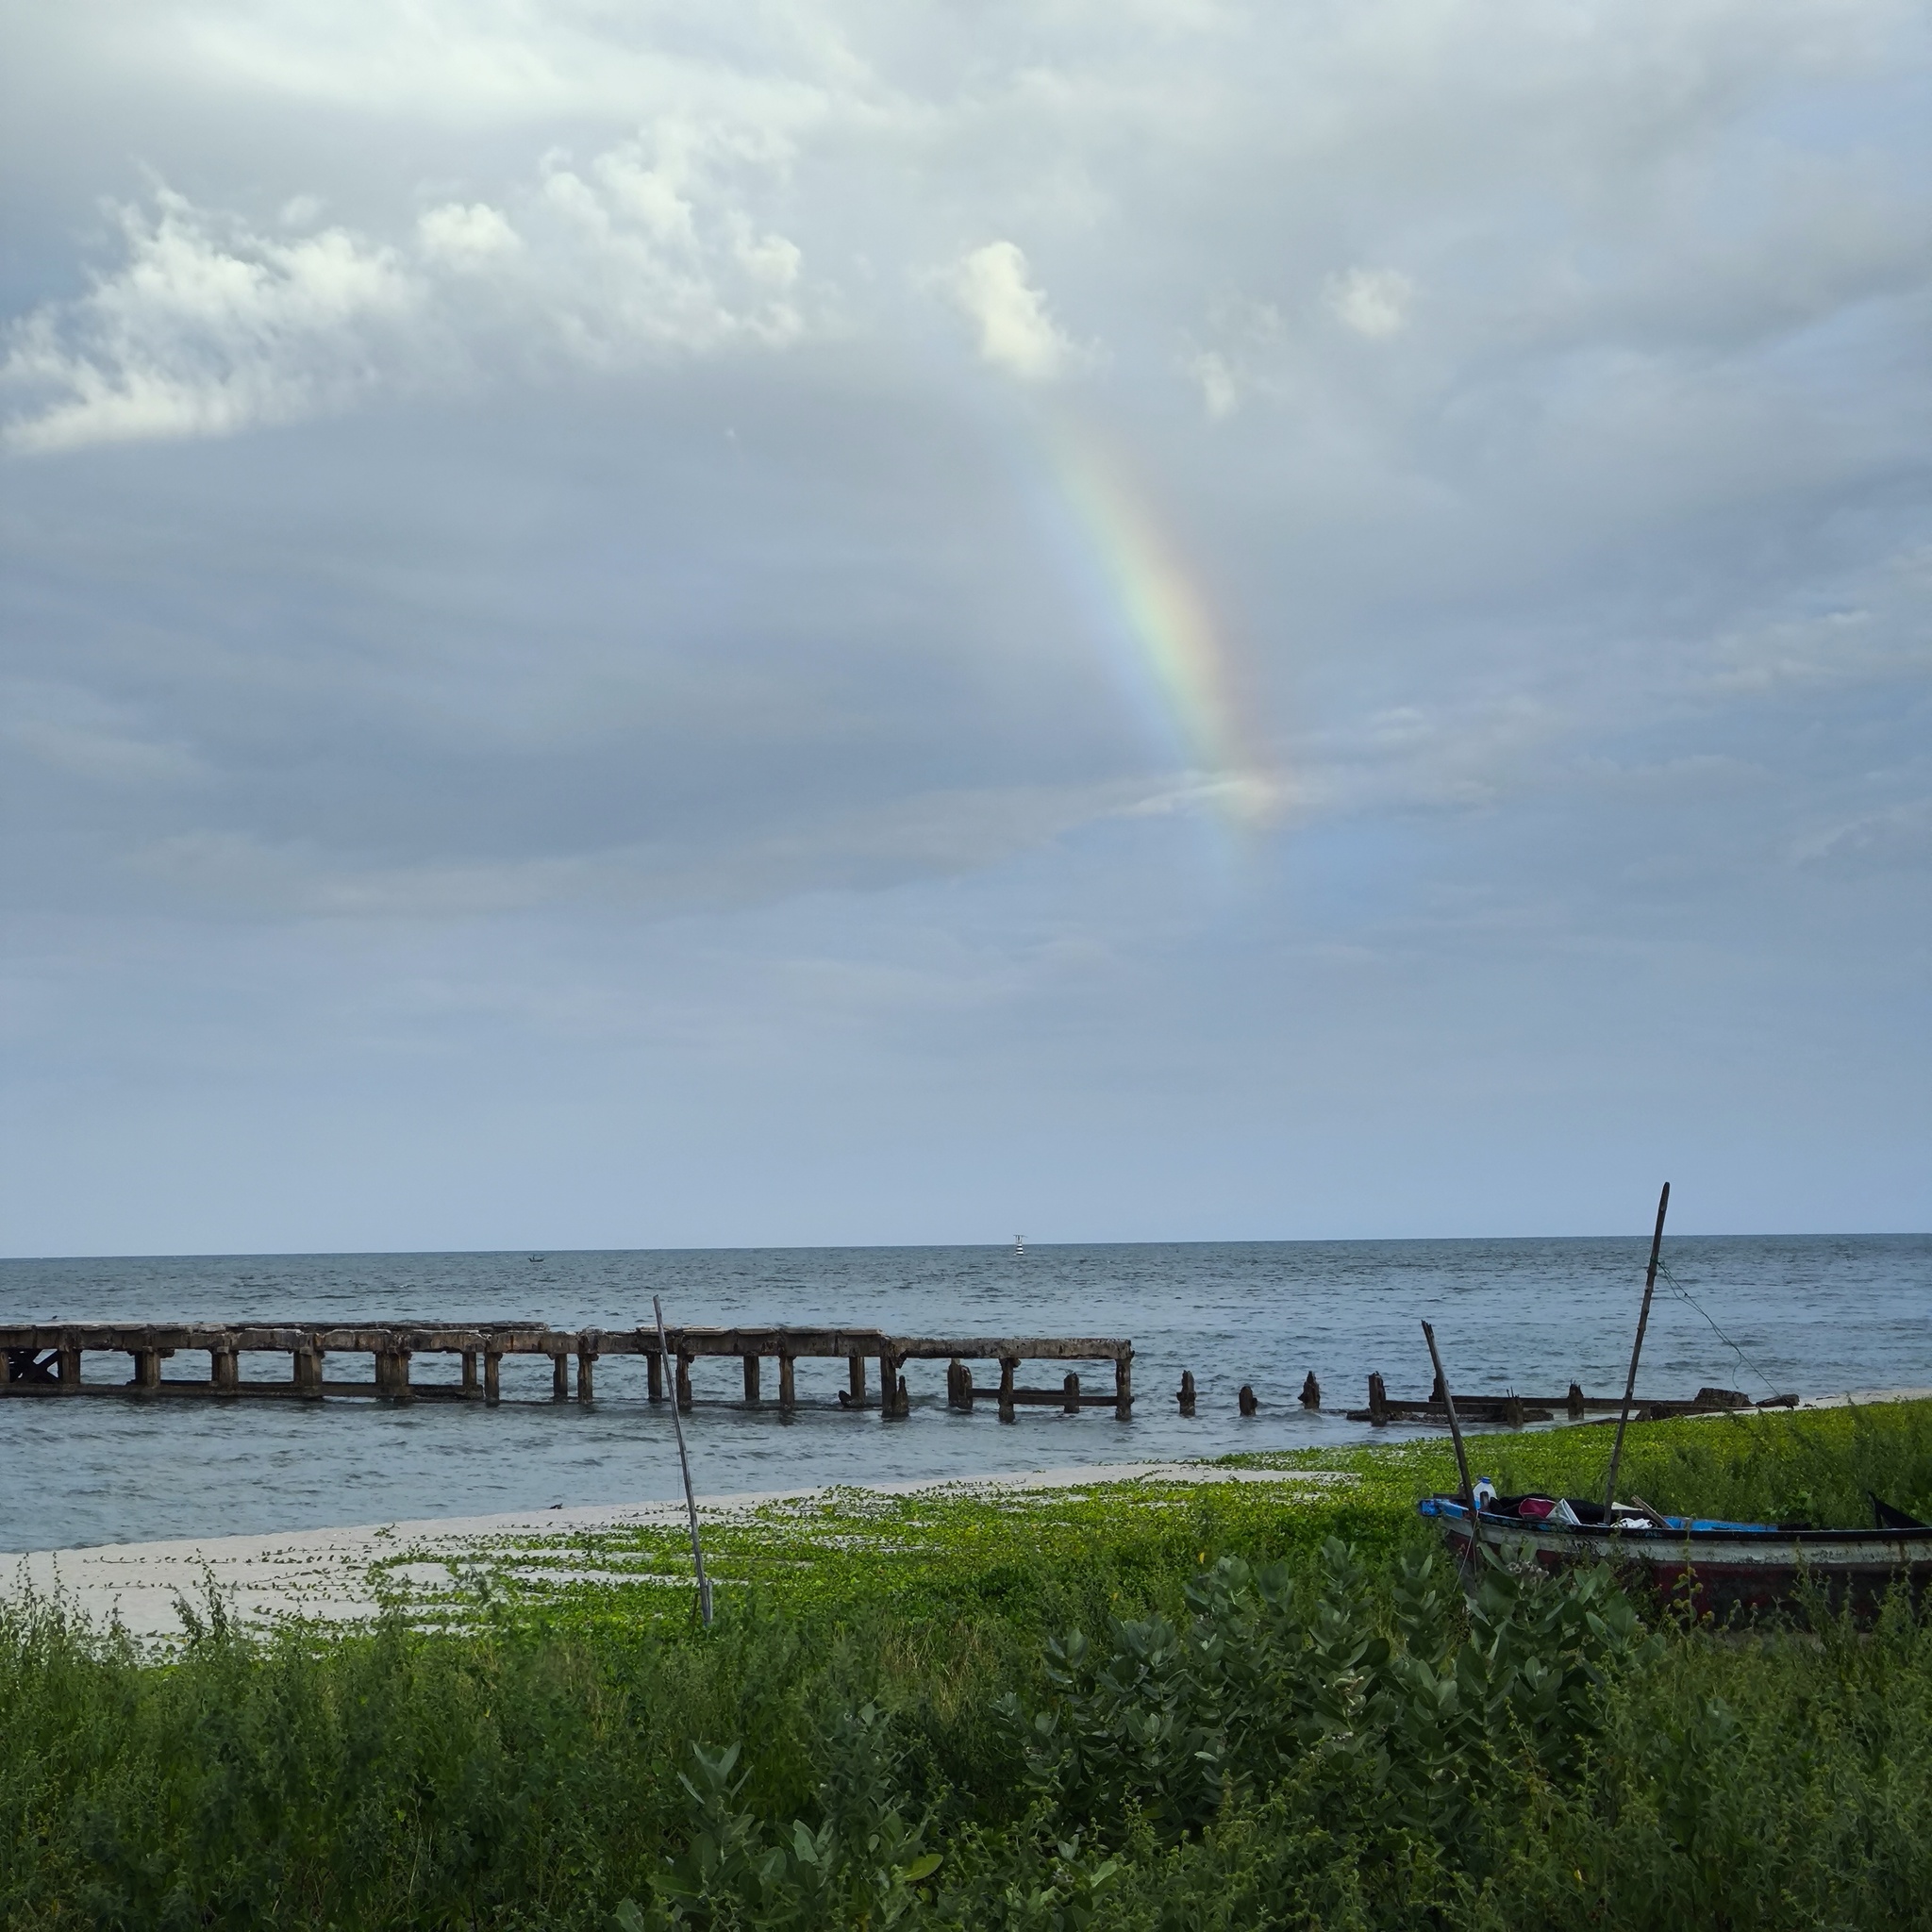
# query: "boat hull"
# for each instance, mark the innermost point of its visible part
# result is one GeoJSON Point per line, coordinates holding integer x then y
{"type": "Point", "coordinates": [1726, 1574]}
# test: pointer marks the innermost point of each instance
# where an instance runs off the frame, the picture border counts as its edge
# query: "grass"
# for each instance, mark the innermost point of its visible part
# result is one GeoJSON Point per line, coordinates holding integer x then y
{"type": "Point", "coordinates": [884, 1667]}
{"type": "Point", "coordinates": [1760, 1465]}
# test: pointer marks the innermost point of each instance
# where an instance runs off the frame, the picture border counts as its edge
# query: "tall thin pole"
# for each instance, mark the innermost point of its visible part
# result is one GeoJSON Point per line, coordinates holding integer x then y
{"type": "Point", "coordinates": [1656, 1242]}
{"type": "Point", "coordinates": [1475, 1529]}
{"type": "Point", "coordinates": [691, 1502]}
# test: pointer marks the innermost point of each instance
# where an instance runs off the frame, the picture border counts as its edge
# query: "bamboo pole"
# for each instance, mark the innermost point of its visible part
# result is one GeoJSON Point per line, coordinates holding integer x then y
{"type": "Point", "coordinates": [690, 1501]}
{"type": "Point", "coordinates": [1656, 1242]}
{"type": "Point", "coordinates": [1475, 1529]}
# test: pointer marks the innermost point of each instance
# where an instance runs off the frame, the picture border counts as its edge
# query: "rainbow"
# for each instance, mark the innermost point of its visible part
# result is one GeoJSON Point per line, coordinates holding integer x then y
{"type": "Point", "coordinates": [1148, 608]}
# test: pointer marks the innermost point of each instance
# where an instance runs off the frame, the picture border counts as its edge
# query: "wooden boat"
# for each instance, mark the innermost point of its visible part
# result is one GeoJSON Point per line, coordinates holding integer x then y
{"type": "Point", "coordinates": [1717, 1569]}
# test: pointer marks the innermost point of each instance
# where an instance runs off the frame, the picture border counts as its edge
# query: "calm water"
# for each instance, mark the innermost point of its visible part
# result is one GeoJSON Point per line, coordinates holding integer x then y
{"type": "Point", "coordinates": [1819, 1314]}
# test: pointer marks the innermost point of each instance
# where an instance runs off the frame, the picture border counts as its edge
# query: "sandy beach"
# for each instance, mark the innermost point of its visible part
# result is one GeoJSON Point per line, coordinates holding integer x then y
{"type": "Point", "coordinates": [338, 1574]}
{"type": "Point", "coordinates": [341, 1574]}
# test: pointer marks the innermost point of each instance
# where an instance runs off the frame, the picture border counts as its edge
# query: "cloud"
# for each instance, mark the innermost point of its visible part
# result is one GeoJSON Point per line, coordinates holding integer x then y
{"type": "Point", "coordinates": [1373, 302]}
{"type": "Point", "coordinates": [1220, 392]}
{"type": "Point", "coordinates": [658, 569]}
{"type": "Point", "coordinates": [208, 327]}
{"type": "Point", "coordinates": [1898, 837]}
{"type": "Point", "coordinates": [463, 236]}
{"type": "Point", "coordinates": [1017, 332]}
{"type": "Point", "coordinates": [928, 834]}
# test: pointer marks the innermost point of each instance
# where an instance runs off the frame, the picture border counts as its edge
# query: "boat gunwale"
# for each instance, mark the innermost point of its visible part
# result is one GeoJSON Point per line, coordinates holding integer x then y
{"type": "Point", "coordinates": [1656, 1536]}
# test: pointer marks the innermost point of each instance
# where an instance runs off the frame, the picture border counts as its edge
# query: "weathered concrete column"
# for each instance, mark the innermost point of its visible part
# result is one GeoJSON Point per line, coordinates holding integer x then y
{"type": "Point", "coordinates": [147, 1368]}
{"type": "Point", "coordinates": [1007, 1364]}
{"type": "Point", "coordinates": [1378, 1401]}
{"type": "Point", "coordinates": [559, 1376]}
{"type": "Point", "coordinates": [751, 1378]}
{"type": "Point", "coordinates": [854, 1376]}
{"type": "Point", "coordinates": [399, 1363]}
{"type": "Point", "coordinates": [493, 1374]}
{"type": "Point", "coordinates": [1186, 1396]}
{"type": "Point", "coordinates": [469, 1372]}
{"type": "Point", "coordinates": [1070, 1394]}
{"type": "Point", "coordinates": [888, 1386]}
{"type": "Point", "coordinates": [684, 1394]}
{"type": "Point", "coordinates": [1312, 1392]}
{"type": "Point", "coordinates": [1573, 1407]}
{"type": "Point", "coordinates": [1123, 1387]}
{"type": "Point", "coordinates": [586, 1385]}
{"type": "Point", "coordinates": [966, 1389]}
{"type": "Point", "coordinates": [305, 1370]}
{"type": "Point", "coordinates": [70, 1369]}
{"type": "Point", "coordinates": [787, 1382]}
{"type": "Point", "coordinates": [654, 1369]}
{"type": "Point", "coordinates": [224, 1369]}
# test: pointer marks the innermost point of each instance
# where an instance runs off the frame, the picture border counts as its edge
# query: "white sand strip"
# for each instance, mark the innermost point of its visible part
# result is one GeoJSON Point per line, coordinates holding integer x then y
{"type": "Point", "coordinates": [330, 1575]}
{"type": "Point", "coordinates": [1863, 1396]}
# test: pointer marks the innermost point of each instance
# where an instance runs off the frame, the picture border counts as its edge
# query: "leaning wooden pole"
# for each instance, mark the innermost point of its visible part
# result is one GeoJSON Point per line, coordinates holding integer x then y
{"type": "Point", "coordinates": [1656, 1242]}
{"type": "Point", "coordinates": [690, 1501]}
{"type": "Point", "coordinates": [1475, 1529]}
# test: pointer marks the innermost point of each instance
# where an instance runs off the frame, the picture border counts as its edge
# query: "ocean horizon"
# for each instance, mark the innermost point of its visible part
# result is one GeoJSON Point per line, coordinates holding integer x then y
{"type": "Point", "coordinates": [1763, 1314]}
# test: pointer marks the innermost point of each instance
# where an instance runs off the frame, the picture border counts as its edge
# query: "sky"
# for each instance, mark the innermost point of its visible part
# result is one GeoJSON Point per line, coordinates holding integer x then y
{"type": "Point", "coordinates": [628, 626]}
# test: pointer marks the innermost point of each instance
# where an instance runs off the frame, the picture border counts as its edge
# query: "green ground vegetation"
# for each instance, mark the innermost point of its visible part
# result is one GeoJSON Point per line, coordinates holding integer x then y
{"type": "Point", "coordinates": [1233, 1705]}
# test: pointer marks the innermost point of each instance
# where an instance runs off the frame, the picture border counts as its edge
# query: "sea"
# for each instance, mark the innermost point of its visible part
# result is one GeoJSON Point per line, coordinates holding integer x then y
{"type": "Point", "coordinates": [1814, 1315]}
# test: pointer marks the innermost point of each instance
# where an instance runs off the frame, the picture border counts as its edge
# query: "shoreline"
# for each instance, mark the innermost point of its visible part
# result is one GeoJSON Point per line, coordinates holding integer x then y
{"type": "Point", "coordinates": [336, 1573]}
{"type": "Point", "coordinates": [328, 1574]}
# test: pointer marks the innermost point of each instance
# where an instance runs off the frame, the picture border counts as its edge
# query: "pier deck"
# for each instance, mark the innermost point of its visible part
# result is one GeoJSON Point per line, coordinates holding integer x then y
{"type": "Point", "coordinates": [44, 1359]}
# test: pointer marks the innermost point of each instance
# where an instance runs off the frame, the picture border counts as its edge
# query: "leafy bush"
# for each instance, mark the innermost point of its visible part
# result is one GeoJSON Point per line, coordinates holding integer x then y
{"type": "Point", "coordinates": [1258, 1729]}
{"type": "Point", "coordinates": [1388, 1722]}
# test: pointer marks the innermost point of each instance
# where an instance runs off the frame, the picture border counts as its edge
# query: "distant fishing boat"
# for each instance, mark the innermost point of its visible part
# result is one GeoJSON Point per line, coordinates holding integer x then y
{"type": "Point", "coordinates": [539, 1258]}
{"type": "Point", "coordinates": [1720, 1568]}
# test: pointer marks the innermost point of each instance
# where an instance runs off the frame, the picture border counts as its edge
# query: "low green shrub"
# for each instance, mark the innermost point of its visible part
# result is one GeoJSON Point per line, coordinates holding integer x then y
{"type": "Point", "coordinates": [1281, 1711]}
